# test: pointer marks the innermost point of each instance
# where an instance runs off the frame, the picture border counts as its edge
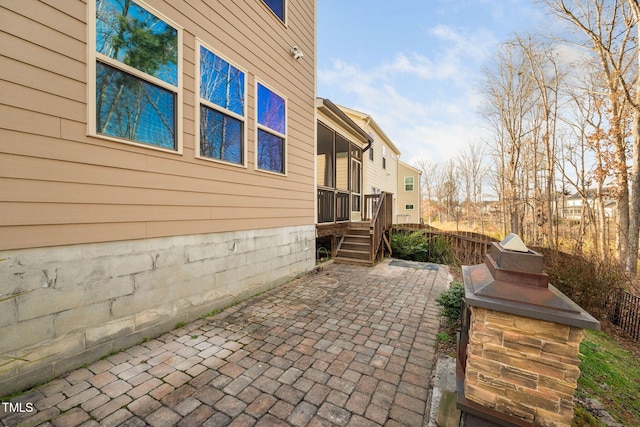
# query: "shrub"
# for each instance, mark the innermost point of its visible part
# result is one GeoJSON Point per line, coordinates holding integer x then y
{"type": "Point", "coordinates": [415, 246]}
{"type": "Point", "coordinates": [450, 302]}
{"type": "Point", "coordinates": [588, 281]}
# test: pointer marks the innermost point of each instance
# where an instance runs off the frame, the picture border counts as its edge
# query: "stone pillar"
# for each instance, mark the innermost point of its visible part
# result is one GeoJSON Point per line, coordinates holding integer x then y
{"type": "Point", "coordinates": [518, 353]}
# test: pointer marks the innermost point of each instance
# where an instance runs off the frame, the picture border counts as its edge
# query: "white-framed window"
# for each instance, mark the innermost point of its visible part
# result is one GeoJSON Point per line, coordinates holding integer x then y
{"type": "Point", "coordinates": [221, 113]}
{"type": "Point", "coordinates": [408, 183]}
{"type": "Point", "coordinates": [278, 7]}
{"type": "Point", "coordinates": [408, 207]}
{"type": "Point", "coordinates": [135, 75]}
{"type": "Point", "coordinates": [271, 130]}
{"type": "Point", "coordinates": [384, 157]}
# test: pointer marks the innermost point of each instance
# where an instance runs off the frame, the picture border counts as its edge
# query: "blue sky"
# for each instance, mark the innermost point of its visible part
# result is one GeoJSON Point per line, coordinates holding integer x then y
{"type": "Point", "coordinates": [414, 64]}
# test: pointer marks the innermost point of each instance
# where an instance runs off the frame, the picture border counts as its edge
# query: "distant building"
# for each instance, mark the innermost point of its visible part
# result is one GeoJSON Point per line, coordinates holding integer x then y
{"type": "Point", "coordinates": [574, 204]}
{"type": "Point", "coordinates": [409, 209]}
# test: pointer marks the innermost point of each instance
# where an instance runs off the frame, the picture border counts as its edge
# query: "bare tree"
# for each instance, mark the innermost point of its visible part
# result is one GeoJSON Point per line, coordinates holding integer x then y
{"type": "Point", "coordinates": [608, 27]}
{"type": "Point", "coordinates": [547, 75]}
{"type": "Point", "coordinates": [428, 184]}
{"type": "Point", "coordinates": [472, 171]}
{"type": "Point", "coordinates": [510, 97]}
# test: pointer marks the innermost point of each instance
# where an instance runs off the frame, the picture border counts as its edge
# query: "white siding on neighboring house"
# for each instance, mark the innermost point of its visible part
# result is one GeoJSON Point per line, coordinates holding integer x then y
{"type": "Point", "coordinates": [381, 173]}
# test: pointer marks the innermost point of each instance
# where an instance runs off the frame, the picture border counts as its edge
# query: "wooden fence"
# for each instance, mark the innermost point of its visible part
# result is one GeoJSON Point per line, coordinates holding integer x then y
{"type": "Point", "coordinates": [623, 308]}
{"type": "Point", "coordinates": [468, 248]}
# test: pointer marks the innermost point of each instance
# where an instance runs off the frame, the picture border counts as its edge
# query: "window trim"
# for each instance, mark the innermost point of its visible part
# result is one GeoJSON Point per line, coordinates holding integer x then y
{"type": "Point", "coordinates": [198, 101]}
{"type": "Point", "coordinates": [413, 186]}
{"type": "Point", "coordinates": [260, 127]}
{"type": "Point", "coordinates": [384, 156]}
{"type": "Point", "coordinates": [94, 56]}
{"type": "Point", "coordinates": [284, 12]}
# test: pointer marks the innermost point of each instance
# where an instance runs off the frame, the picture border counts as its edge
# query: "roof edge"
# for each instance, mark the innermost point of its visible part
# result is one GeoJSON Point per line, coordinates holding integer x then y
{"type": "Point", "coordinates": [338, 112]}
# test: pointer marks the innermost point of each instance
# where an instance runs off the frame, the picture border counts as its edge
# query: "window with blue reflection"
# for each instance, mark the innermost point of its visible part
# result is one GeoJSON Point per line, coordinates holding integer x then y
{"type": "Point", "coordinates": [131, 104]}
{"type": "Point", "coordinates": [272, 126]}
{"type": "Point", "coordinates": [130, 108]}
{"type": "Point", "coordinates": [277, 6]}
{"type": "Point", "coordinates": [222, 109]}
{"type": "Point", "coordinates": [270, 152]}
{"type": "Point", "coordinates": [221, 136]}
{"type": "Point", "coordinates": [220, 82]}
{"type": "Point", "coordinates": [130, 34]}
{"type": "Point", "coordinates": [271, 109]}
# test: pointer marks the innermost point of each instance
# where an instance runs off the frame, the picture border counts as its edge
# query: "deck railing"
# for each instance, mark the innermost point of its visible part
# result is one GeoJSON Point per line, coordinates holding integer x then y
{"type": "Point", "coordinates": [333, 205]}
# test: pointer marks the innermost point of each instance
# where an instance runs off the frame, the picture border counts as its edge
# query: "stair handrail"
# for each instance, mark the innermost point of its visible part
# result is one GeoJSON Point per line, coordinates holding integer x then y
{"type": "Point", "coordinates": [381, 220]}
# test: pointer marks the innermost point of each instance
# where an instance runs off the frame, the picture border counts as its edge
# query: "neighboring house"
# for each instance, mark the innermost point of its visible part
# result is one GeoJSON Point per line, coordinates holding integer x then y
{"type": "Point", "coordinates": [380, 162]}
{"type": "Point", "coordinates": [156, 163]}
{"type": "Point", "coordinates": [360, 182]}
{"type": "Point", "coordinates": [409, 210]}
{"type": "Point", "coordinates": [573, 209]}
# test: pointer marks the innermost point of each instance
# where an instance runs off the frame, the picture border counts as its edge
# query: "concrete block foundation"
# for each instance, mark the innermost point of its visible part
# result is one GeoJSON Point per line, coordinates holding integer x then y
{"type": "Point", "coordinates": [62, 307]}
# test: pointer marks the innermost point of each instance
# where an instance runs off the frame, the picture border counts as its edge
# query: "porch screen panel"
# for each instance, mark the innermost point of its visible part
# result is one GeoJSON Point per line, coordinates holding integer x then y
{"type": "Point", "coordinates": [325, 157]}
{"type": "Point", "coordinates": [342, 163]}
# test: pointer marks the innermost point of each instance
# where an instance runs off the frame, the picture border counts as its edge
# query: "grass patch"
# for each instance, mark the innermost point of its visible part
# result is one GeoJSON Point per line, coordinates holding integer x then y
{"type": "Point", "coordinates": [583, 418]}
{"type": "Point", "coordinates": [212, 313]}
{"type": "Point", "coordinates": [610, 374]}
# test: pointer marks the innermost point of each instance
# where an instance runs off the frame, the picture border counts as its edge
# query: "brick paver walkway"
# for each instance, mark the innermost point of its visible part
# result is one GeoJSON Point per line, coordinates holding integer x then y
{"type": "Point", "coordinates": [347, 346]}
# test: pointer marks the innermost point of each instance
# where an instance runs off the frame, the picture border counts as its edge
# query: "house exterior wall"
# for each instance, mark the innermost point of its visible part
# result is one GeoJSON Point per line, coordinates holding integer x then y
{"type": "Point", "coordinates": [405, 197]}
{"type": "Point", "coordinates": [378, 177]}
{"type": "Point", "coordinates": [70, 305]}
{"type": "Point", "coordinates": [104, 242]}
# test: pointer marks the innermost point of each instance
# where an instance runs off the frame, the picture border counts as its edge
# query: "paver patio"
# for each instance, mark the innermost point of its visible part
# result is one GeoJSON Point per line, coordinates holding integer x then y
{"type": "Point", "coordinates": [346, 346]}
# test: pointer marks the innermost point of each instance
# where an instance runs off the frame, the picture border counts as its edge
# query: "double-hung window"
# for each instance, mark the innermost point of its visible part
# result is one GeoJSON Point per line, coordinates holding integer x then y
{"type": "Point", "coordinates": [222, 109]}
{"type": "Point", "coordinates": [135, 75]}
{"type": "Point", "coordinates": [271, 130]}
{"type": "Point", "coordinates": [408, 183]}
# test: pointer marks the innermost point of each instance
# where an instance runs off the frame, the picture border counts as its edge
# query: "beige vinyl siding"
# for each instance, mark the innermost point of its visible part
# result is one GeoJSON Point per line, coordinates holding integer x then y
{"type": "Point", "coordinates": [408, 197]}
{"type": "Point", "coordinates": [58, 186]}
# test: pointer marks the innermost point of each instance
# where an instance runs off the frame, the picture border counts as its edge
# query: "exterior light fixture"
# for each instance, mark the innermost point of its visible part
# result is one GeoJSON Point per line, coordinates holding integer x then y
{"type": "Point", "coordinates": [296, 52]}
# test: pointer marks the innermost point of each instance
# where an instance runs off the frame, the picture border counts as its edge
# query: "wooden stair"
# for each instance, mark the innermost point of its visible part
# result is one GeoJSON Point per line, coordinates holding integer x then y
{"type": "Point", "coordinates": [355, 245]}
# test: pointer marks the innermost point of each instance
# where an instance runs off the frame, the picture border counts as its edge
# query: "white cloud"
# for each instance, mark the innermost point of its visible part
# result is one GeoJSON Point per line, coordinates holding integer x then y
{"type": "Point", "coordinates": [420, 66]}
{"type": "Point", "coordinates": [421, 127]}
{"type": "Point", "coordinates": [425, 104]}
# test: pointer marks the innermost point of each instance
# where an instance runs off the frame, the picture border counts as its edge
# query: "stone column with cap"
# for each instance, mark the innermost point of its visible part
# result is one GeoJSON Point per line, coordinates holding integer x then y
{"type": "Point", "coordinates": [518, 359]}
